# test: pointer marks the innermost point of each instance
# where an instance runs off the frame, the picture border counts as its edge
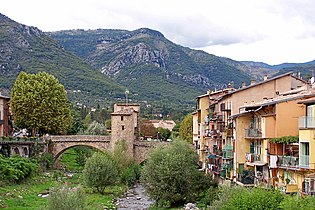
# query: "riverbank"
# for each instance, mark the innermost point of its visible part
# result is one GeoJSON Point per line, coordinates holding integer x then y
{"type": "Point", "coordinates": [31, 195]}
{"type": "Point", "coordinates": [135, 198]}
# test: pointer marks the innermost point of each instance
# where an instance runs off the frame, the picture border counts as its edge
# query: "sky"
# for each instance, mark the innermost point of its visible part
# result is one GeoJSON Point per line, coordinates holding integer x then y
{"type": "Point", "coordinates": [270, 31]}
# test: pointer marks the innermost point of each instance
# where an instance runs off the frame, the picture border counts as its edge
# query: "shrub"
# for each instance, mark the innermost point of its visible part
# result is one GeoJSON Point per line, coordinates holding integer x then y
{"type": "Point", "coordinates": [170, 175]}
{"type": "Point", "coordinates": [65, 199]}
{"type": "Point", "coordinates": [130, 175]}
{"type": "Point", "coordinates": [128, 169]}
{"type": "Point", "coordinates": [46, 161]}
{"type": "Point", "coordinates": [297, 202]}
{"type": "Point", "coordinates": [16, 169]}
{"type": "Point", "coordinates": [100, 171]}
{"type": "Point", "coordinates": [242, 198]}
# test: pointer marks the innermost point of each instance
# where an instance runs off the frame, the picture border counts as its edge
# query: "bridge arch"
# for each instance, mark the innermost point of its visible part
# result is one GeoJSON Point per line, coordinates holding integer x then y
{"type": "Point", "coordinates": [62, 151]}
{"type": "Point", "coordinates": [59, 144]}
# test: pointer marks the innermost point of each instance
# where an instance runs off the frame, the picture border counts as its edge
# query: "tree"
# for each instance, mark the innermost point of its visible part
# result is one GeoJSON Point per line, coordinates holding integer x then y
{"type": "Point", "coordinates": [186, 129]}
{"type": "Point", "coordinates": [96, 128]}
{"type": "Point", "coordinates": [147, 129]}
{"type": "Point", "coordinates": [39, 103]}
{"type": "Point", "coordinates": [100, 171]}
{"type": "Point", "coordinates": [170, 174]}
{"type": "Point", "coordinates": [163, 133]}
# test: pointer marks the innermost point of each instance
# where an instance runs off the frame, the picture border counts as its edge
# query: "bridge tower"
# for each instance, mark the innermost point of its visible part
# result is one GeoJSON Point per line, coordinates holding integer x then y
{"type": "Point", "coordinates": [125, 125]}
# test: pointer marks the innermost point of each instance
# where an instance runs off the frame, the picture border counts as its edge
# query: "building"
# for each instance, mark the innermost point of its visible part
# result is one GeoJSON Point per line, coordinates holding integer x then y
{"type": "Point", "coordinates": [261, 153]}
{"type": "Point", "coordinates": [125, 124]}
{"type": "Point", "coordinates": [6, 119]}
{"type": "Point", "coordinates": [306, 178]}
{"type": "Point", "coordinates": [215, 128]}
{"type": "Point", "coordinates": [166, 124]}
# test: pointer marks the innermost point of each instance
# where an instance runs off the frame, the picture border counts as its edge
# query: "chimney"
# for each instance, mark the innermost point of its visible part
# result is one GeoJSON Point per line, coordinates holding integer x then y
{"type": "Point", "coordinates": [265, 77]}
{"type": "Point", "coordinates": [253, 81]}
{"type": "Point", "coordinates": [243, 84]}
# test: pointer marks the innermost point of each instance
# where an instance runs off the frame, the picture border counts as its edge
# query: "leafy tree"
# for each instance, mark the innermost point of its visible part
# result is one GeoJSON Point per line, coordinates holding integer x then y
{"type": "Point", "coordinates": [96, 128]}
{"type": "Point", "coordinates": [128, 169]}
{"type": "Point", "coordinates": [163, 133]}
{"type": "Point", "coordinates": [186, 128]}
{"type": "Point", "coordinates": [100, 171]}
{"type": "Point", "coordinates": [147, 129]}
{"type": "Point", "coordinates": [170, 175]}
{"type": "Point", "coordinates": [77, 125]}
{"type": "Point", "coordinates": [39, 103]}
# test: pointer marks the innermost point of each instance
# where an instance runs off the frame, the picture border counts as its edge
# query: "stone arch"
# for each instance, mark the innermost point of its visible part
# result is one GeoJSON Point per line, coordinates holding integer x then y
{"type": "Point", "coordinates": [71, 145]}
{"type": "Point", "coordinates": [25, 152]}
{"type": "Point", "coordinates": [16, 151]}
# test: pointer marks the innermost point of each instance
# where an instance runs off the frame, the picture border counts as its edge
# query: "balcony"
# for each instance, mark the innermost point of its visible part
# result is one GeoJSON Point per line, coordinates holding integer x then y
{"type": "Point", "coordinates": [288, 161]}
{"type": "Point", "coordinates": [251, 157]}
{"type": "Point", "coordinates": [228, 152]}
{"type": "Point", "coordinates": [253, 133]}
{"type": "Point", "coordinates": [304, 161]}
{"type": "Point", "coordinates": [306, 122]}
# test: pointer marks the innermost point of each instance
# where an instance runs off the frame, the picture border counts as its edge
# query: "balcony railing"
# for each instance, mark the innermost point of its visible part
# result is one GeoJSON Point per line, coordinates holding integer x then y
{"type": "Point", "coordinates": [253, 133]}
{"type": "Point", "coordinates": [305, 161]}
{"type": "Point", "coordinates": [288, 161]}
{"type": "Point", "coordinates": [306, 122]}
{"type": "Point", "coordinates": [251, 157]}
{"type": "Point", "coordinates": [228, 152]}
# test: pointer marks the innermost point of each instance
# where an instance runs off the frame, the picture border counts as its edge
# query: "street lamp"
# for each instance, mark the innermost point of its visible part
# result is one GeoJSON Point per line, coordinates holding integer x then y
{"type": "Point", "coordinates": [126, 93]}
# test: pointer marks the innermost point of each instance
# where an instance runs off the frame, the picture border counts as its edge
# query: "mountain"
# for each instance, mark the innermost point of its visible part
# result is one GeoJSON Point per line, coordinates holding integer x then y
{"type": "Point", "coordinates": [306, 70]}
{"type": "Point", "coordinates": [25, 48]}
{"type": "Point", "coordinates": [149, 64]}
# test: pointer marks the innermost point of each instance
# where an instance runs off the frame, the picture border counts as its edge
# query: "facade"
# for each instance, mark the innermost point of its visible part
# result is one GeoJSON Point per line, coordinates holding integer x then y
{"type": "Point", "coordinates": [262, 157]}
{"type": "Point", "coordinates": [166, 124]}
{"type": "Point", "coordinates": [222, 141]}
{"type": "Point", "coordinates": [125, 124]}
{"type": "Point", "coordinates": [6, 120]}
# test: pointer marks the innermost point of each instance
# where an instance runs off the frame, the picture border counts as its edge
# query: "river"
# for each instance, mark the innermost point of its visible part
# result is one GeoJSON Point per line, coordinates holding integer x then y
{"type": "Point", "coordinates": [135, 199]}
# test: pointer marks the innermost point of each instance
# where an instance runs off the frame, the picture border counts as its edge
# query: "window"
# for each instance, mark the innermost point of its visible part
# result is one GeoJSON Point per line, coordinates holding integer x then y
{"type": "Point", "coordinates": [122, 118]}
{"type": "Point", "coordinates": [308, 186]}
{"type": "Point", "coordinates": [122, 127]}
{"type": "Point", "coordinates": [304, 154]}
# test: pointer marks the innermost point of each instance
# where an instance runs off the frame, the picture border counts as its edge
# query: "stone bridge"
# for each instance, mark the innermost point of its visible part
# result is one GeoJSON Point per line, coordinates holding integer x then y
{"type": "Point", "coordinates": [59, 144]}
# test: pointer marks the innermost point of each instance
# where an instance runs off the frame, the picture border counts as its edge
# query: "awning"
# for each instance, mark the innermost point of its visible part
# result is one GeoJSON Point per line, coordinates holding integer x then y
{"type": "Point", "coordinates": [211, 156]}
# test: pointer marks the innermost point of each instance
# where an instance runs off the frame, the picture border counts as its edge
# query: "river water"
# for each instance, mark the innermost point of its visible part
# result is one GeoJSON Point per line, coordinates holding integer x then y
{"type": "Point", "coordinates": [135, 199]}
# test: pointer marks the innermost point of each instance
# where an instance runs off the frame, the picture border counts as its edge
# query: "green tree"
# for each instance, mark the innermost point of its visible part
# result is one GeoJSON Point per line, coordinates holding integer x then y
{"type": "Point", "coordinates": [163, 133]}
{"type": "Point", "coordinates": [100, 171]}
{"type": "Point", "coordinates": [186, 129]}
{"type": "Point", "coordinates": [39, 103]}
{"type": "Point", "coordinates": [170, 175]}
{"type": "Point", "coordinates": [96, 128]}
{"type": "Point", "coordinates": [129, 170]}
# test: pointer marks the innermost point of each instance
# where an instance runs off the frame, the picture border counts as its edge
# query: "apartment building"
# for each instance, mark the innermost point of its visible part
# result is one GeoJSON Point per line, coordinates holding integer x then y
{"type": "Point", "coordinates": [216, 127]}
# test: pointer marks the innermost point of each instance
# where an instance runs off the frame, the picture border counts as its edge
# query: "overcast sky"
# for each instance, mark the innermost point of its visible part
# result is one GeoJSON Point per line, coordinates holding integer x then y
{"type": "Point", "coordinates": [270, 31]}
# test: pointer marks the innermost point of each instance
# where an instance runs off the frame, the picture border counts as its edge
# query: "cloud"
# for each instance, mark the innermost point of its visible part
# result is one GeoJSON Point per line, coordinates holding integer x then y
{"type": "Point", "coordinates": [236, 29]}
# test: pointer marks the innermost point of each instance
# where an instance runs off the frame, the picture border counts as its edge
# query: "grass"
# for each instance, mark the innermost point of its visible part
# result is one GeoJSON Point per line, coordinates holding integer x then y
{"type": "Point", "coordinates": [68, 160]}
{"type": "Point", "coordinates": [25, 196]}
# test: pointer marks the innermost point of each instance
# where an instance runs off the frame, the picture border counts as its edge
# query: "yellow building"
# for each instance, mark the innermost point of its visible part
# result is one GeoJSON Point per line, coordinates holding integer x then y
{"type": "Point", "coordinates": [257, 160]}
{"type": "Point", "coordinates": [306, 182]}
{"type": "Point", "coordinates": [224, 133]}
